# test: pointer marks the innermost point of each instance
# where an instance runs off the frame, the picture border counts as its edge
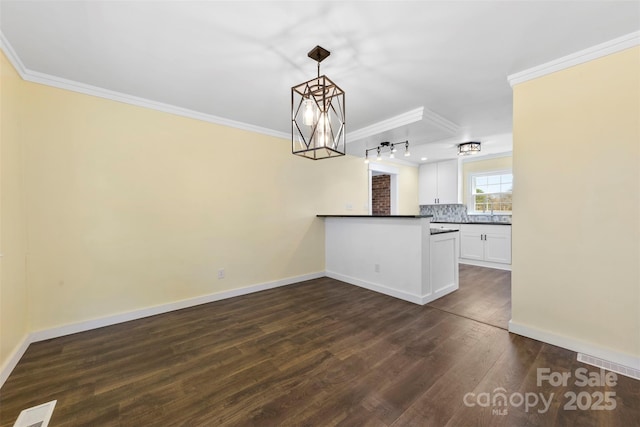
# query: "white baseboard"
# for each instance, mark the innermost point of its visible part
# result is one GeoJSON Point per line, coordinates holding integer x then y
{"type": "Point", "coordinates": [575, 345]}
{"type": "Point", "coordinates": [87, 325]}
{"type": "Point", "coordinates": [487, 264]}
{"type": "Point", "coordinates": [406, 296]}
{"type": "Point", "coordinates": [438, 294]}
{"type": "Point", "coordinates": [11, 363]}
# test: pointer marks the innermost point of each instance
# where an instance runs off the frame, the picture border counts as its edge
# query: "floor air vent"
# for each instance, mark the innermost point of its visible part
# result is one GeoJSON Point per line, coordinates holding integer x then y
{"type": "Point", "coordinates": [614, 367]}
{"type": "Point", "coordinates": [37, 416]}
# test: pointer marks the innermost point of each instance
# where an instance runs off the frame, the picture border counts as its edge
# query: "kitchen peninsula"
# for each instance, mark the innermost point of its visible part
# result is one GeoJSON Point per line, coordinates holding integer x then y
{"type": "Point", "coordinates": [397, 255]}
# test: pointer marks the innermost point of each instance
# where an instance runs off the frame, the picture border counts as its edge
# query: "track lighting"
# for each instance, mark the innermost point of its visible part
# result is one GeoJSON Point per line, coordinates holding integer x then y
{"type": "Point", "coordinates": [392, 150]}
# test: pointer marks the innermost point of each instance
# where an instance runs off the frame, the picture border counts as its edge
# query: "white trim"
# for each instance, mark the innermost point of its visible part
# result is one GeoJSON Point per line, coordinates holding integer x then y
{"type": "Point", "coordinates": [574, 344]}
{"type": "Point", "coordinates": [476, 158]}
{"type": "Point", "coordinates": [393, 172]}
{"type": "Point", "coordinates": [26, 74]}
{"type": "Point", "coordinates": [381, 289]}
{"type": "Point", "coordinates": [60, 83]}
{"type": "Point", "coordinates": [488, 264]}
{"type": "Point", "coordinates": [381, 167]}
{"type": "Point", "coordinates": [45, 334]}
{"type": "Point", "coordinates": [13, 360]}
{"type": "Point", "coordinates": [469, 196]}
{"type": "Point", "coordinates": [415, 115]}
{"type": "Point", "coordinates": [12, 55]}
{"type": "Point", "coordinates": [406, 296]}
{"type": "Point", "coordinates": [580, 57]}
{"type": "Point", "coordinates": [388, 124]}
{"type": "Point", "coordinates": [439, 121]}
{"type": "Point", "coordinates": [39, 415]}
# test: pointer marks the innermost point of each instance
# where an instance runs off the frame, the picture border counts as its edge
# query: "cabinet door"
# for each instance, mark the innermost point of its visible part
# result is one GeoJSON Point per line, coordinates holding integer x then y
{"type": "Point", "coordinates": [448, 182]}
{"type": "Point", "coordinates": [428, 184]}
{"type": "Point", "coordinates": [497, 248]}
{"type": "Point", "coordinates": [471, 245]}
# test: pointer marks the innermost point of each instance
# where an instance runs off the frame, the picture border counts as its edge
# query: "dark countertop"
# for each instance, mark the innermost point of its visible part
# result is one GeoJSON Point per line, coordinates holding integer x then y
{"type": "Point", "coordinates": [374, 216]}
{"type": "Point", "coordinates": [469, 222]}
{"type": "Point", "coordinates": [442, 230]}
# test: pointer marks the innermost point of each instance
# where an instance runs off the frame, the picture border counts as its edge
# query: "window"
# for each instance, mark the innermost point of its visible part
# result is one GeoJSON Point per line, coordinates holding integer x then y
{"type": "Point", "coordinates": [491, 192]}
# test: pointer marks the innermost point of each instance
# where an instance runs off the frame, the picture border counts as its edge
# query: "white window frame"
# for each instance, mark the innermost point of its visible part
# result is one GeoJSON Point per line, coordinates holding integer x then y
{"type": "Point", "coordinates": [471, 203]}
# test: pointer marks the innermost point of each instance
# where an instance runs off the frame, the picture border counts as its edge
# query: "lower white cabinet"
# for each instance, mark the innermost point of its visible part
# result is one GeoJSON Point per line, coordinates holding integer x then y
{"type": "Point", "coordinates": [485, 244]}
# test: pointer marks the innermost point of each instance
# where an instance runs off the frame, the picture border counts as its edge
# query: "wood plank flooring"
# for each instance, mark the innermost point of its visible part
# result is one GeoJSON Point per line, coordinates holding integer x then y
{"type": "Point", "coordinates": [317, 353]}
{"type": "Point", "coordinates": [484, 295]}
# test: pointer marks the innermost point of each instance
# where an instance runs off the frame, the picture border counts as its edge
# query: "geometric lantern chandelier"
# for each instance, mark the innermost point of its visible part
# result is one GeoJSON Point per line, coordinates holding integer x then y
{"type": "Point", "coordinates": [468, 148]}
{"type": "Point", "coordinates": [318, 115]}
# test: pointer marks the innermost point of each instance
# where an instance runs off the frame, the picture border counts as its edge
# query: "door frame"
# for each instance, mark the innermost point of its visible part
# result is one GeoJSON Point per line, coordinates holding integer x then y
{"type": "Point", "coordinates": [393, 172]}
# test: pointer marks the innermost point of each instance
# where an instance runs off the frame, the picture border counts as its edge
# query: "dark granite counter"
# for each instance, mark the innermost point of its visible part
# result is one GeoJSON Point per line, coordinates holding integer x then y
{"type": "Point", "coordinates": [442, 230]}
{"type": "Point", "coordinates": [470, 222]}
{"type": "Point", "coordinates": [374, 216]}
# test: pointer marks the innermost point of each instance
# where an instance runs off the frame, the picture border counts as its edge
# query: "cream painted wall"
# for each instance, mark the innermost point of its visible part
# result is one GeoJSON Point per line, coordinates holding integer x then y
{"type": "Point", "coordinates": [487, 165]}
{"type": "Point", "coordinates": [13, 282]}
{"type": "Point", "coordinates": [408, 190]}
{"type": "Point", "coordinates": [407, 176]}
{"type": "Point", "coordinates": [129, 208]}
{"type": "Point", "coordinates": [576, 221]}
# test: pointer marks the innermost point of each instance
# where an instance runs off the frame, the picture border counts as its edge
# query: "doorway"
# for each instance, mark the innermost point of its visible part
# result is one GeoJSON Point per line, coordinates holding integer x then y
{"type": "Point", "coordinates": [383, 189]}
{"type": "Point", "coordinates": [381, 194]}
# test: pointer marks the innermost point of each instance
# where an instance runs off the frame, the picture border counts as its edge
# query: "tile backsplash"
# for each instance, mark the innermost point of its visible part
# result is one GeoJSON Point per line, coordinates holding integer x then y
{"type": "Point", "coordinates": [458, 213]}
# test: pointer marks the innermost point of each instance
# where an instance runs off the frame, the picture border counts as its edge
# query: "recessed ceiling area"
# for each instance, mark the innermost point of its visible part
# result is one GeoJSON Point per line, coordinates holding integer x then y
{"type": "Point", "coordinates": [432, 72]}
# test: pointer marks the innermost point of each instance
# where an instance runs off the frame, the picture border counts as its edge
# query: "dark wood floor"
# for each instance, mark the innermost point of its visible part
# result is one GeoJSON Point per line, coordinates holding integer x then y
{"type": "Point", "coordinates": [484, 295]}
{"type": "Point", "coordinates": [316, 353]}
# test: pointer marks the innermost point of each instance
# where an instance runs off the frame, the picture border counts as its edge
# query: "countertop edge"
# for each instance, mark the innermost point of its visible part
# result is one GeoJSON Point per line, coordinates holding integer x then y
{"type": "Point", "coordinates": [375, 216]}
{"type": "Point", "coordinates": [471, 223]}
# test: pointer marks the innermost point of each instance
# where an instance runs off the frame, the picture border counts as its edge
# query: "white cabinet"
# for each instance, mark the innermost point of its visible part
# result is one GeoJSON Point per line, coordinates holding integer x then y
{"type": "Point", "coordinates": [443, 263]}
{"type": "Point", "coordinates": [485, 245]}
{"type": "Point", "coordinates": [438, 183]}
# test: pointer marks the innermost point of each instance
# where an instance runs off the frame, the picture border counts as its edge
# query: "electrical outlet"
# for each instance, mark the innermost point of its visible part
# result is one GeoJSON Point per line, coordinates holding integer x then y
{"type": "Point", "coordinates": [221, 273]}
{"type": "Point", "coordinates": [376, 268]}
{"type": "Point", "coordinates": [349, 207]}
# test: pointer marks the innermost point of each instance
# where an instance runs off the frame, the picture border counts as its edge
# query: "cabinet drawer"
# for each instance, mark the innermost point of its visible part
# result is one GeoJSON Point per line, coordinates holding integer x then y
{"type": "Point", "coordinates": [486, 229]}
{"type": "Point", "coordinates": [448, 225]}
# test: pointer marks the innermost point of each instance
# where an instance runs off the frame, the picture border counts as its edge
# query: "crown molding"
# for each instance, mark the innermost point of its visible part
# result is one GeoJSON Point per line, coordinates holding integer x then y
{"type": "Point", "coordinates": [404, 119]}
{"type": "Point", "coordinates": [60, 83]}
{"type": "Point", "coordinates": [441, 122]}
{"type": "Point", "coordinates": [388, 124]}
{"type": "Point", "coordinates": [580, 57]}
{"type": "Point", "coordinates": [479, 158]}
{"type": "Point", "coordinates": [12, 56]}
{"type": "Point", "coordinates": [26, 74]}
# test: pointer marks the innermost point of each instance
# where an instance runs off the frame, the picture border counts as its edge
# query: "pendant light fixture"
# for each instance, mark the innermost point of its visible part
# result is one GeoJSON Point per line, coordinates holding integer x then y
{"type": "Point", "coordinates": [468, 148]}
{"type": "Point", "coordinates": [387, 145]}
{"type": "Point", "coordinates": [318, 115]}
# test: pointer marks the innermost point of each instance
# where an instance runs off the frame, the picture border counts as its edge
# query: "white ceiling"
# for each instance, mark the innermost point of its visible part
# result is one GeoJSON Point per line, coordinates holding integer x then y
{"type": "Point", "coordinates": [432, 72]}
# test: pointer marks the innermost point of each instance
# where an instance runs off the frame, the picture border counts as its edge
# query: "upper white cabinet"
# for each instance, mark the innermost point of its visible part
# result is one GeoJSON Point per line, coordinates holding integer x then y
{"type": "Point", "coordinates": [438, 183]}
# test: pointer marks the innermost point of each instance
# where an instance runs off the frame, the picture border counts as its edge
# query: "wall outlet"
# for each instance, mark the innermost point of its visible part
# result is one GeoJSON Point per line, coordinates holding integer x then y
{"type": "Point", "coordinates": [349, 206]}
{"type": "Point", "coordinates": [376, 268]}
{"type": "Point", "coordinates": [221, 273]}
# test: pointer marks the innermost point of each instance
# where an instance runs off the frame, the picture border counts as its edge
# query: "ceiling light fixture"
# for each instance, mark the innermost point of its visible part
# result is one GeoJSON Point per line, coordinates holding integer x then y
{"type": "Point", "coordinates": [468, 148]}
{"type": "Point", "coordinates": [392, 150]}
{"type": "Point", "coordinates": [318, 115]}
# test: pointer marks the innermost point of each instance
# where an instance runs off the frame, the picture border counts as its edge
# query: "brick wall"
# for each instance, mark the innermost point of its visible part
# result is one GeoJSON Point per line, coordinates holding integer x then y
{"type": "Point", "coordinates": [381, 195]}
